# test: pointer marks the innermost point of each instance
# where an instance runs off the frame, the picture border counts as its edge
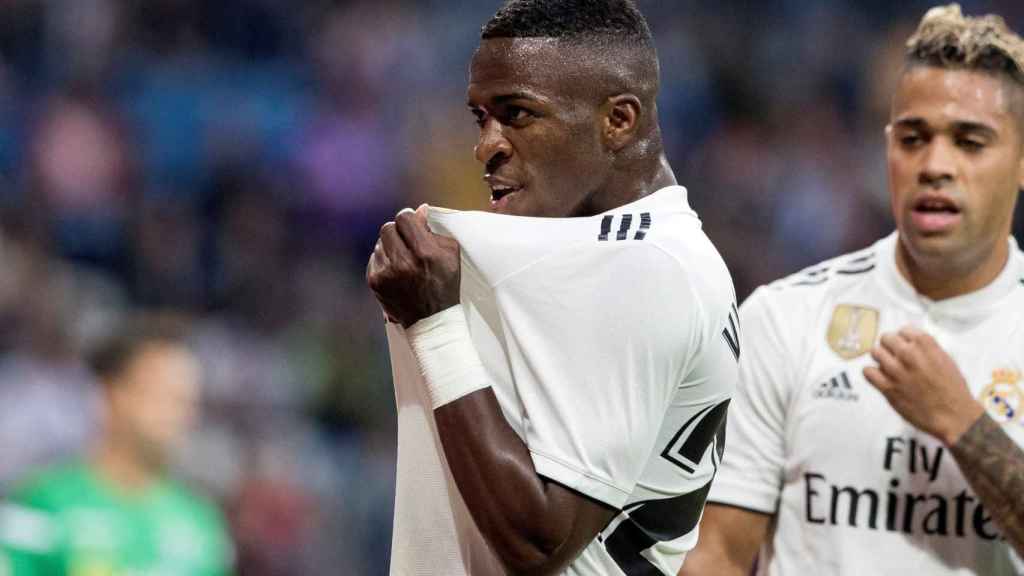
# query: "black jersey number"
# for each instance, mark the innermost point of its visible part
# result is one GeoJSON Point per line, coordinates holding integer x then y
{"type": "Point", "coordinates": [653, 521]}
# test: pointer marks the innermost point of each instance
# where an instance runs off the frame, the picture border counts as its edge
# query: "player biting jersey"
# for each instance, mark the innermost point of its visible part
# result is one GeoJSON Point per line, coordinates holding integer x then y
{"type": "Point", "coordinates": [563, 366]}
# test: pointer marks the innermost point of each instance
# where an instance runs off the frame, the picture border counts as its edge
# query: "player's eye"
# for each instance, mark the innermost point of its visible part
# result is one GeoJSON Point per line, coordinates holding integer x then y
{"type": "Point", "coordinates": [970, 144]}
{"type": "Point", "coordinates": [517, 114]}
{"type": "Point", "coordinates": [911, 140]}
{"type": "Point", "coordinates": [479, 117]}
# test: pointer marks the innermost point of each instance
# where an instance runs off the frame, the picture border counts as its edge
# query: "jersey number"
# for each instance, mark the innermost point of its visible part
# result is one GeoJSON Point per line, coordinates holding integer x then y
{"type": "Point", "coordinates": [653, 521]}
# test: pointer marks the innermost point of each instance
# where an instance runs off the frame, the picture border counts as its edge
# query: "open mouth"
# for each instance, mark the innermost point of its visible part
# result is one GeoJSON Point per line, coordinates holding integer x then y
{"type": "Point", "coordinates": [935, 215]}
{"type": "Point", "coordinates": [936, 205]}
{"type": "Point", "coordinates": [499, 191]}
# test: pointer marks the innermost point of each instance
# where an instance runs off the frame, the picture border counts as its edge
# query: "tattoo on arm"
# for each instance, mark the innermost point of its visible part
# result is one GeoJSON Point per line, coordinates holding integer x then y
{"type": "Point", "coordinates": [994, 466]}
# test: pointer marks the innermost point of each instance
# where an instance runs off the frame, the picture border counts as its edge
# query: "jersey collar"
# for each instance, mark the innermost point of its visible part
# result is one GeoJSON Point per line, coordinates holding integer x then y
{"type": "Point", "coordinates": [965, 308]}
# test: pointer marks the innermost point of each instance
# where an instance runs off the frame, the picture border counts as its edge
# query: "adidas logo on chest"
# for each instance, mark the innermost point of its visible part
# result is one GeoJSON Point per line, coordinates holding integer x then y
{"type": "Point", "coordinates": [838, 387]}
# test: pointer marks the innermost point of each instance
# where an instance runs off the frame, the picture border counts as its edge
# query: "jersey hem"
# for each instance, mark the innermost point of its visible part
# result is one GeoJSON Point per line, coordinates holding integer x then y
{"type": "Point", "coordinates": [744, 497]}
{"type": "Point", "coordinates": [743, 507]}
{"type": "Point", "coordinates": [579, 480]}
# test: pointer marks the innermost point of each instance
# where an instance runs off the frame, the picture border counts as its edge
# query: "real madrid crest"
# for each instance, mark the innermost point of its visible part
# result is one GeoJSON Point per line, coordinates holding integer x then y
{"type": "Point", "coordinates": [1002, 398]}
{"type": "Point", "coordinates": [852, 330]}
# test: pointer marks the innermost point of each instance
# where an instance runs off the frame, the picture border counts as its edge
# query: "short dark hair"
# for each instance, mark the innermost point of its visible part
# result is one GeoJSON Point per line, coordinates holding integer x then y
{"type": "Point", "coordinates": [569, 19]}
{"type": "Point", "coordinates": [113, 353]}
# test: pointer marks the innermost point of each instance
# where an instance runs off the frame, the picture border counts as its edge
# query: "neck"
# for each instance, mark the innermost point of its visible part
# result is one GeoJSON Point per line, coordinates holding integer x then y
{"type": "Point", "coordinates": [630, 187]}
{"type": "Point", "coordinates": [122, 466]}
{"type": "Point", "coordinates": [940, 279]}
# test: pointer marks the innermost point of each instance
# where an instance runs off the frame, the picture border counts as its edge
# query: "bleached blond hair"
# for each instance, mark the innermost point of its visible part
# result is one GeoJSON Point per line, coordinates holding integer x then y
{"type": "Point", "coordinates": [948, 39]}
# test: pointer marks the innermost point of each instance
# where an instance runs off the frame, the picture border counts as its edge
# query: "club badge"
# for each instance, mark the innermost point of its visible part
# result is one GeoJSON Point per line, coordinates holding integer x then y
{"type": "Point", "coordinates": [852, 330]}
{"type": "Point", "coordinates": [1002, 397]}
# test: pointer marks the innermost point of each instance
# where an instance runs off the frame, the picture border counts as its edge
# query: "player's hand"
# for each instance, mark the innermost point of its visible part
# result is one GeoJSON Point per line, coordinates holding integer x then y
{"type": "Point", "coordinates": [923, 384]}
{"type": "Point", "coordinates": [413, 272]}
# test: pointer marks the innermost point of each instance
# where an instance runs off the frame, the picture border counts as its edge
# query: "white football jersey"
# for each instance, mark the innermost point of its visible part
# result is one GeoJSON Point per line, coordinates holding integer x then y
{"type": "Point", "coordinates": [611, 343]}
{"type": "Point", "coordinates": [854, 488]}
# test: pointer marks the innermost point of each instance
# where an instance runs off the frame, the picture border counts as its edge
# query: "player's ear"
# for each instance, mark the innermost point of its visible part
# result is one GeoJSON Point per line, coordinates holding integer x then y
{"type": "Point", "coordinates": [621, 116]}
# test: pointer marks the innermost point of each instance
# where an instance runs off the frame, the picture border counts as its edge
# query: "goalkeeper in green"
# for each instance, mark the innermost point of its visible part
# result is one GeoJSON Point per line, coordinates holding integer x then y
{"type": "Point", "coordinates": [117, 513]}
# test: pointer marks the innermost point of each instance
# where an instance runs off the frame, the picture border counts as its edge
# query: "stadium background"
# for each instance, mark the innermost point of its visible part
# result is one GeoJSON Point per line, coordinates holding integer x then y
{"type": "Point", "coordinates": [233, 160]}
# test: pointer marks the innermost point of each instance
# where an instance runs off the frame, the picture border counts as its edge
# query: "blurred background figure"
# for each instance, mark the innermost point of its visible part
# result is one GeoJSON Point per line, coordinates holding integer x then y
{"type": "Point", "coordinates": [232, 161]}
{"type": "Point", "coordinates": [117, 512]}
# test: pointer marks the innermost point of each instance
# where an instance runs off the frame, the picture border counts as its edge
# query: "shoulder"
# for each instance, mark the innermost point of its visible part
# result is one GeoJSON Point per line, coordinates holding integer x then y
{"type": "Point", "coordinates": [682, 264]}
{"type": "Point", "coordinates": [187, 501]}
{"type": "Point", "coordinates": [632, 293]}
{"type": "Point", "coordinates": [53, 487]}
{"type": "Point", "coordinates": [819, 284]}
{"type": "Point", "coordinates": [832, 274]}
{"type": "Point", "coordinates": [788, 308]}
{"type": "Point", "coordinates": [585, 252]}
{"type": "Point", "coordinates": [654, 246]}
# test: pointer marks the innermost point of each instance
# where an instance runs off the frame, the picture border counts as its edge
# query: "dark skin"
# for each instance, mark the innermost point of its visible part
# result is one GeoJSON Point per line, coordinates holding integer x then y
{"type": "Point", "coordinates": [572, 133]}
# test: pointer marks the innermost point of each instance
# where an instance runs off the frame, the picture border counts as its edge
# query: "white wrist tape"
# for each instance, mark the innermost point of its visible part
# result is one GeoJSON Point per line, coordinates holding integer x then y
{"type": "Point", "coordinates": [448, 361]}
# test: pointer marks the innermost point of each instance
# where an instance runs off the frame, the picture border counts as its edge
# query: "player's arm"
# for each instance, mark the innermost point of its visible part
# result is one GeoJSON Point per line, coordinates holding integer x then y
{"type": "Point", "coordinates": [535, 526]}
{"type": "Point", "coordinates": [922, 382]}
{"type": "Point", "coordinates": [730, 538]}
{"type": "Point", "coordinates": [994, 466]}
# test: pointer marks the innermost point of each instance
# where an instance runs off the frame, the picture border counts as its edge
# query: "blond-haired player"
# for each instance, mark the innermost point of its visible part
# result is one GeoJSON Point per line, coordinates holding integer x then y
{"type": "Point", "coordinates": [877, 424]}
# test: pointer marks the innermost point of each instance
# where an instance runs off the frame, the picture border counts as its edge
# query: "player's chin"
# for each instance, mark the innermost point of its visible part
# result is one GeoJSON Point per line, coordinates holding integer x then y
{"type": "Point", "coordinates": [933, 244]}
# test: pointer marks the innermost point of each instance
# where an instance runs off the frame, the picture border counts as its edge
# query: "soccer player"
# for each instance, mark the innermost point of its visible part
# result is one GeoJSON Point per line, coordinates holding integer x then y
{"type": "Point", "coordinates": [877, 424]}
{"type": "Point", "coordinates": [562, 365]}
{"type": "Point", "coordinates": [118, 513]}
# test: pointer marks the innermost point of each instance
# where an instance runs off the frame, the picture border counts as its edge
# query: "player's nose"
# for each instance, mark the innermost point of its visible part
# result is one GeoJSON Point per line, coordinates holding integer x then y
{"type": "Point", "coordinates": [491, 142]}
{"type": "Point", "coordinates": [938, 165]}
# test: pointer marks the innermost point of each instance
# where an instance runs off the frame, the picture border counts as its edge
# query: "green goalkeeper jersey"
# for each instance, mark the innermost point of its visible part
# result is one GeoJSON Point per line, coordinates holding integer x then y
{"type": "Point", "coordinates": [71, 522]}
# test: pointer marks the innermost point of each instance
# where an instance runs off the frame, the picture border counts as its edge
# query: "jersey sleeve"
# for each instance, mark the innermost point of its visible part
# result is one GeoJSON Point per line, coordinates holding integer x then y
{"type": "Point", "coordinates": [752, 468]}
{"type": "Point", "coordinates": [597, 340]}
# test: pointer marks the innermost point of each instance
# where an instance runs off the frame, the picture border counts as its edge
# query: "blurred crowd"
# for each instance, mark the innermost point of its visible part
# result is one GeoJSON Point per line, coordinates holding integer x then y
{"type": "Point", "coordinates": [232, 161]}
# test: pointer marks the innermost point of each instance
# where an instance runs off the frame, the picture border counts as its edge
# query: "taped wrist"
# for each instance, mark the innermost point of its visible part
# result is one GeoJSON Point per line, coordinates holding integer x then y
{"type": "Point", "coordinates": [446, 356]}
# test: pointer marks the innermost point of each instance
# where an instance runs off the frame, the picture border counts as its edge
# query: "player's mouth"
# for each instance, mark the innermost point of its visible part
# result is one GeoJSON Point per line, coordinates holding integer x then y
{"type": "Point", "coordinates": [502, 193]}
{"type": "Point", "coordinates": [933, 213]}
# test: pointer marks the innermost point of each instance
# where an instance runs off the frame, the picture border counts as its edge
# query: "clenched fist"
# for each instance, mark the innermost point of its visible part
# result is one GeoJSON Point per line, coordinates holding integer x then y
{"type": "Point", "coordinates": [413, 272]}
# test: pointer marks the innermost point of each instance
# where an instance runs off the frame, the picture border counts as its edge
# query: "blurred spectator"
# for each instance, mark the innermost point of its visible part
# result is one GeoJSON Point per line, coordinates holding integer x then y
{"type": "Point", "coordinates": [167, 240]}
{"type": "Point", "coordinates": [81, 177]}
{"type": "Point", "coordinates": [117, 512]}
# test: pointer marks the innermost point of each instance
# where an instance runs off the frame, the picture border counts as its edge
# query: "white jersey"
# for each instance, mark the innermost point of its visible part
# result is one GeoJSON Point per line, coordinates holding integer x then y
{"type": "Point", "coordinates": [853, 487]}
{"type": "Point", "coordinates": [611, 345]}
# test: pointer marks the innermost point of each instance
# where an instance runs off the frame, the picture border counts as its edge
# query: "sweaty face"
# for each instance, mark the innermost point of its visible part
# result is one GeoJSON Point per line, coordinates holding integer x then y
{"type": "Point", "coordinates": [540, 127]}
{"type": "Point", "coordinates": [955, 166]}
{"type": "Point", "coordinates": [155, 400]}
